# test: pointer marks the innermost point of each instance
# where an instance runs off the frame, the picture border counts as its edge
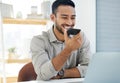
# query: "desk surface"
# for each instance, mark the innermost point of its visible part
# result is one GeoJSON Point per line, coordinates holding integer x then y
{"type": "Point", "coordinates": [72, 80]}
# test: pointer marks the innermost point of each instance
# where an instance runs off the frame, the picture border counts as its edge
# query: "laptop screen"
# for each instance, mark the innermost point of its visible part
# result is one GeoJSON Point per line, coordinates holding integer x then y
{"type": "Point", "coordinates": [104, 68]}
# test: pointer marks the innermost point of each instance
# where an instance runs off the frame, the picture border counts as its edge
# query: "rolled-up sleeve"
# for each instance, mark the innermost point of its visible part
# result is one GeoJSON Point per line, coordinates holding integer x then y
{"type": "Point", "coordinates": [47, 71]}
{"type": "Point", "coordinates": [41, 62]}
{"type": "Point", "coordinates": [85, 54]}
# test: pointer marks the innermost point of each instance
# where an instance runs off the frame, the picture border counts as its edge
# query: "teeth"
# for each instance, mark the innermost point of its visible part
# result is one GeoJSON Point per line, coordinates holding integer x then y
{"type": "Point", "coordinates": [67, 28]}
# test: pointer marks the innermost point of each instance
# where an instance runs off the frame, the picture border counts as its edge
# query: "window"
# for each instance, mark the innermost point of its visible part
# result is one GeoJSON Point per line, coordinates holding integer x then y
{"type": "Point", "coordinates": [20, 20]}
{"type": "Point", "coordinates": [108, 25]}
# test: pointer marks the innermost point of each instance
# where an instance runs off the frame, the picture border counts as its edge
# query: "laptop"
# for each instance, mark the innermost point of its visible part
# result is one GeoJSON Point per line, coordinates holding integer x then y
{"type": "Point", "coordinates": [104, 67]}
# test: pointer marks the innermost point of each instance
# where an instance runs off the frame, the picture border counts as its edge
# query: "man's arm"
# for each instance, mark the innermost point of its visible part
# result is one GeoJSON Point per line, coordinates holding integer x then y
{"type": "Point", "coordinates": [69, 73]}
{"type": "Point", "coordinates": [79, 71]}
{"type": "Point", "coordinates": [72, 44]}
{"type": "Point", "coordinates": [73, 72]}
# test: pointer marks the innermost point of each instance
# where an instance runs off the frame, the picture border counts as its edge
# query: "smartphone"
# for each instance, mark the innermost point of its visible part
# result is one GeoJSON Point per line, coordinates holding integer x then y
{"type": "Point", "coordinates": [72, 31]}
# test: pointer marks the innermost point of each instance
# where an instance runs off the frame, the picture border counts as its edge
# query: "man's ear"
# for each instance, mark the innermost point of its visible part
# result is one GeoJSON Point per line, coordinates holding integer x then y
{"type": "Point", "coordinates": [52, 16]}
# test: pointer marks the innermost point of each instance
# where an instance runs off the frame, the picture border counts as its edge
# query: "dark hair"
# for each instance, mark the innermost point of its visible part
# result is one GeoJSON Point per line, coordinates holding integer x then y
{"type": "Point", "coordinates": [58, 3]}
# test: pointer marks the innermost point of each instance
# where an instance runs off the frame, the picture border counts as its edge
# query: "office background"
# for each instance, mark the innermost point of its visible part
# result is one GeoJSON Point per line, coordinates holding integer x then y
{"type": "Point", "coordinates": [99, 19]}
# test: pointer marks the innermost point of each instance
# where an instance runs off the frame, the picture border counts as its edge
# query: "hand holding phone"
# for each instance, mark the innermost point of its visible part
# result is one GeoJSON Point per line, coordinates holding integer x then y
{"type": "Point", "coordinates": [72, 31]}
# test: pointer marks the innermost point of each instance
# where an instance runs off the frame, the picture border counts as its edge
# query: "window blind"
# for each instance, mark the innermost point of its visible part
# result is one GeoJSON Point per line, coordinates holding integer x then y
{"type": "Point", "coordinates": [108, 25]}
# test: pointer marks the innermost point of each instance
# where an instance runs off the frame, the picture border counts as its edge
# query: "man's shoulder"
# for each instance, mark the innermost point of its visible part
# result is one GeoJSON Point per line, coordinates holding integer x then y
{"type": "Point", "coordinates": [43, 37]}
{"type": "Point", "coordinates": [82, 33]}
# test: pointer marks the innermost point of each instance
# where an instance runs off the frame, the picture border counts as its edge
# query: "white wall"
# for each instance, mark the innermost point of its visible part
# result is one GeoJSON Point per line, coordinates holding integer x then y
{"type": "Point", "coordinates": [0, 31]}
{"type": "Point", "coordinates": [2, 64]}
{"type": "Point", "coordinates": [86, 19]}
{"type": "Point", "coordinates": [1, 36]}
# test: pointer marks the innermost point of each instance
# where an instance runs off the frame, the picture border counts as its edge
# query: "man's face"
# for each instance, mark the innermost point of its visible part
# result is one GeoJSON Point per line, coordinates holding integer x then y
{"type": "Point", "coordinates": [64, 18]}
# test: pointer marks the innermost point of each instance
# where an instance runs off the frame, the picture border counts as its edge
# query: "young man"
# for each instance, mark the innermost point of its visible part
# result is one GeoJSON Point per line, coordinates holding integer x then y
{"type": "Point", "coordinates": [55, 55]}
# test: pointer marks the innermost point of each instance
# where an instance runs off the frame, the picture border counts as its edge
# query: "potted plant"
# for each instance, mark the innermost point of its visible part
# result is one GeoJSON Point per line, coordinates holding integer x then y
{"type": "Point", "coordinates": [11, 52]}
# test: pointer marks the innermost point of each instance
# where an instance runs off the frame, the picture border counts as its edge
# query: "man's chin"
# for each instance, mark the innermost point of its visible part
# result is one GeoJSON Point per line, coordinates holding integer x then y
{"type": "Point", "coordinates": [60, 31]}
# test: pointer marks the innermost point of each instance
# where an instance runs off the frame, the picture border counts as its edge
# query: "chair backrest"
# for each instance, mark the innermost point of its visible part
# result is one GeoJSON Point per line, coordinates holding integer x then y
{"type": "Point", "coordinates": [27, 73]}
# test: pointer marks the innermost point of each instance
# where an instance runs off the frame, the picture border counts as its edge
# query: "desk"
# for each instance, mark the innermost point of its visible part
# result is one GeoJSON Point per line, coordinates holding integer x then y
{"type": "Point", "coordinates": [72, 80]}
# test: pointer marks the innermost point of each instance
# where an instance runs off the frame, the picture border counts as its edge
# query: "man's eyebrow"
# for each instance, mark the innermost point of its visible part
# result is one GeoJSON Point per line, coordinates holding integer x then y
{"type": "Point", "coordinates": [67, 15]}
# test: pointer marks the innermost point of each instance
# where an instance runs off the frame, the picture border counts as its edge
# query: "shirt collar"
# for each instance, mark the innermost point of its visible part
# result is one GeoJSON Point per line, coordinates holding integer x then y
{"type": "Point", "coordinates": [52, 36]}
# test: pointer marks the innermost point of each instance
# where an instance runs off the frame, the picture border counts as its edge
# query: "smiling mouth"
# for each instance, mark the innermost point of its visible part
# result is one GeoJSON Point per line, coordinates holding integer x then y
{"type": "Point", "coordinates": [66, 27]}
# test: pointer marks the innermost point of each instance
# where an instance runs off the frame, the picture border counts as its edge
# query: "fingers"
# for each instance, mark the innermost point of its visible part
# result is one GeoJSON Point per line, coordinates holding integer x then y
{"type": "Point", "coordinates": [65, 34]}
{"type": "Point", "coordinates": [75, 37]}
{"type": "Point", "coordinates": [78, 36]}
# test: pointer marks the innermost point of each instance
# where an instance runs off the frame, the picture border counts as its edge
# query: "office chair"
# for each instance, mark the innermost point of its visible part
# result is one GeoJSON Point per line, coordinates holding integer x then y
{"type": "Point", "coordinates": [27, 73]}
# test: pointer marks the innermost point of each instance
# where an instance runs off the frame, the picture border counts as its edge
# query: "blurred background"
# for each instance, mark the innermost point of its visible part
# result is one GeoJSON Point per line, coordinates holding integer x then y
{"type": "Point", "coordinates": [20, 20]}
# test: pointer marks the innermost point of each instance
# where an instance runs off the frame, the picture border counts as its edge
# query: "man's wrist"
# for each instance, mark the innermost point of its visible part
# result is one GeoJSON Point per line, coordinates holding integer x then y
{"type": "Point", "coordinates": [69, 50]}
{"type": "Point", "coordinates": [61, 74]}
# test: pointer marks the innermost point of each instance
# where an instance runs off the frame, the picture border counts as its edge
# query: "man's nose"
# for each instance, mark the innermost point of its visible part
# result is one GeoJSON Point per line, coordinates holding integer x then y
{"type": "Point", "coordinates": [69, 22]}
